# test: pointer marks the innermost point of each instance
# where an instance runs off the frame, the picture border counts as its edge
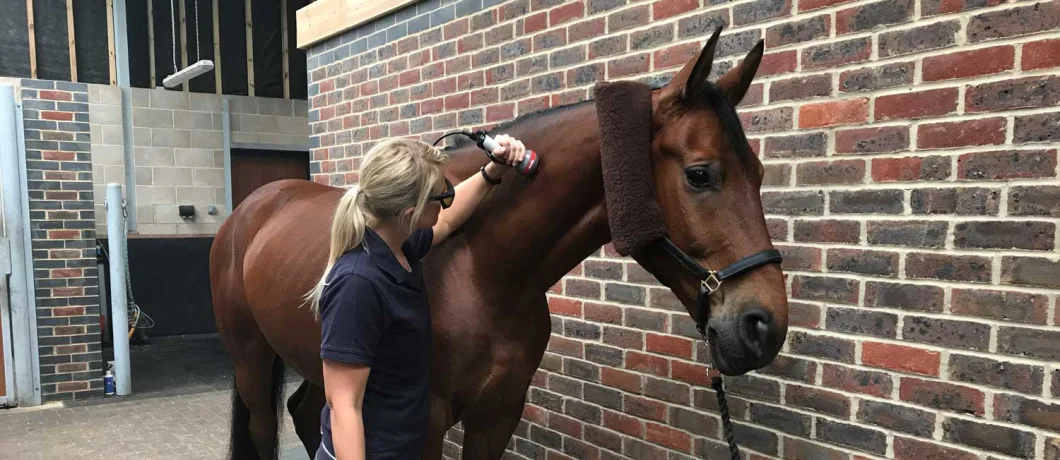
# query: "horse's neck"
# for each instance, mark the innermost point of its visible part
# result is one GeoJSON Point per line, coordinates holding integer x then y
{"type": "Point", "coordinates": [539, 229]}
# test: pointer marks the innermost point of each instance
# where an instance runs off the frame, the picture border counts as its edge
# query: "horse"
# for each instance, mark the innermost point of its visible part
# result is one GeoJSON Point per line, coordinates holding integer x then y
{"type": "Point", "coordinates": [487, 283]}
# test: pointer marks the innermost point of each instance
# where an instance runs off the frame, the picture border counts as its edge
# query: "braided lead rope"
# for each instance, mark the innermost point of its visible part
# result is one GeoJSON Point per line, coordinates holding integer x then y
{"type": "Point", "coordinates": [723, 407]}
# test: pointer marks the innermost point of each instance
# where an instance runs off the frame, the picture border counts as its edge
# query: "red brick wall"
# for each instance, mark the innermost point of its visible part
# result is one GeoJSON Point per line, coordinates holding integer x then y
{"type": "Point", "coordinates": [911, 181]}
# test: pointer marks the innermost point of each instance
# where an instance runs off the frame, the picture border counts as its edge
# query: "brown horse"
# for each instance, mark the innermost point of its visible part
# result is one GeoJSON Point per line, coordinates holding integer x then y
{"type": "Point", "coordinates": [487, 282]}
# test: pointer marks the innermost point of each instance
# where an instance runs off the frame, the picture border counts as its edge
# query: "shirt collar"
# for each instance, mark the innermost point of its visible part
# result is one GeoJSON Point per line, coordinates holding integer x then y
{"type": "Point", "coordinates": [384, 257]}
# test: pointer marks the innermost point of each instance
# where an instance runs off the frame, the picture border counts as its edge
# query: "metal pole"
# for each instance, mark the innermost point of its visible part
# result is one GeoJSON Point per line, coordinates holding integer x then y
{"type": "Point", "coordinates": [119, 304]}
{"type": "Point", "coordinates": [16, 215]}
{"type": "Point", "coordinates": [121, 64]}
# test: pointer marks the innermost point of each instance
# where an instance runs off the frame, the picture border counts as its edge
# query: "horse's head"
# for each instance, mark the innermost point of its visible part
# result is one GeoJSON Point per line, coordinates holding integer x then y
{"type": "Point", "coordinates": [707, 182]}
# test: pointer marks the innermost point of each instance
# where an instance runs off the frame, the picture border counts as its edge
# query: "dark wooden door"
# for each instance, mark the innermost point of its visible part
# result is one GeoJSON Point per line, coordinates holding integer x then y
{"type": "Point", "coordinates": [253, 168]}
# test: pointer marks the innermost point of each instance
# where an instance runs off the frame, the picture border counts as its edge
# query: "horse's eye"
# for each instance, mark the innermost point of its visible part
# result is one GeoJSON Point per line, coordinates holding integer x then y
{"type": "Point", "coordinates": [700, 177]}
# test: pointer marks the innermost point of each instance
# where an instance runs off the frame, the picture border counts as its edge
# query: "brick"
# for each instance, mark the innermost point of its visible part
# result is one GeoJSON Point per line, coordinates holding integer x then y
{"type": "Point", "coordinates": [913, 449]}
{"type": "Point", "coordinates": [876, 78]}
{"type": "Point", "coordinates": [795, 448]}
{"type": "Point", "coordinates": [608, 46]}
{"type": "Point", "coordinates": [1033, 343]}
{"type": "Point", "coordinates": [778, 119]}
{"type": "Point", "coordinates": [998, 374]}
{"type": "Point", "coordinates": [1034, 201]}
{"type": "Point", "coordinates": [800, 88]}
{"type": "Point", "coordinates": [793, 203]}
{"type": "Point", "coordinates": [948, 333]}
{"type": "Point", "coordinates": [1038, 128]}
{"type": "Point", "coordinates": [1042, 54]}
{"type": "Point", "coordinates": [796, 146]}
{"type": "Point", "coordinates": [753, 387]}
{"type": "Point", "coordinates": [550, 39]}
{"type": "Point", "coordinates": [900, 358]}
{"type": "Point", "coordinates": [586, 29]}
{"type": "Point", "coordinates": [968, 64]}
{"type": "Point", "coordinates": [628, 18]}
{"type": "Point", "coordinates": [1030, 412]}
{"type": "Point", "coordinates": [989, 437]}
{"type": "Point", "coordinates": [790, 368]}
{"type": "Point", "coordinates": [800, 258]}
{"type": "Point", "coordinates": [878, 263]}
{"type": "Point", "coordinates": [921, 104]}
{"type": "Point", "coordinates": [808, 5]}
{"type": "Point", "coordinates": [759, 11]}
{"type": "Point", "coordinates": [836, 54]}
{"type": "Point", "coordinates": [1013, 22]}
{"type": "Point", "coordinates": [948, 267]}
{"type": "Point", "coordinates": [989, 131]}
{"type": "Point", "coordinates": [822, 346]}
{"type": "Point", "coordinates": [1005, 235]}
{"type": "Point", "coordinates": [1021, 93]}
{"type": "Point", "coordinates": [516, 49]}
{"type": "Point", "coordinates": [919, 39]}
{"type": "Point", "coordinates": [825, 289]}
{"type": "Point", "coordinates": [805, 315]}
{"type": "Point", "coordinates": [830, 172]}
{"type": "Point", "coordinates": [961, 201]}
{"type": "Point", "coordinates": [866, 17]}
{"type": "Point", "coordinates": [907, 169]}
{"type": "Point", "coordinates": [924, 234]}
{"type": "Point", "coordinates": [898, 418]}
{"type": "Point", "coordinates": [566, 13]}
{"type": "Point", "coordinates": [937, 7]}
{"type": "Point", "coordinates": [663, 9]}
{"type": "Point", "coordinates": [628, 65]}
{"type": "Point", "coordinates": [833, 113]}
{"type": "Point", "coordinates": [827, 231]}
{"type": "Point", "coordinates": [1000, 305]}
{"type": "Point", "coordinates": [671, 391]}
{"type": "Point", "coordinates": [854, 436]}
{"type": "Point", "coordinates": [754, 438]}
{"type": "Point", "coordinates": [642, 407]}
{"type": "Point", "coordinates": [867, 202]}
{"type": "Point", "coordinates": [781, 419]}
{"type": "Point", "coordinates": [857, 380]}
{"type": "Point", "coordinates": [651, 38]}
{"type": "Point", "coordinates": [778, 63]}
{"type": "Point", "coordinates": [826, 402]}
{"type": "Point", "coordinates": [1030, 271]}
{"type": "Point", "coordinates": [651, 364]}
{"type": "Point", "coordinates": [799, 31]}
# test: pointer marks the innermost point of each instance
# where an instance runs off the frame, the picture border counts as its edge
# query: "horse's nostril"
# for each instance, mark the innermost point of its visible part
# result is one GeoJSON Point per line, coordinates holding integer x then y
{"type": "Point", "coordinates": [756, 330]}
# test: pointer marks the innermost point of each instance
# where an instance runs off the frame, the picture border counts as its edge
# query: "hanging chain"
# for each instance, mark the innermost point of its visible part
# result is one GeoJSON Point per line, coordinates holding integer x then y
{"type": "Point", "coordinates": [197, 58]}
{"type": "Point", "coordinates": [173, 32]}
{"type": "Point", "coordinates": [125, 254]}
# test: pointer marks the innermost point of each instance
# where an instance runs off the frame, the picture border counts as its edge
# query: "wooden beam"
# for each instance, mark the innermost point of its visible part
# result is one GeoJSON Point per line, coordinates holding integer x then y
{"type": "Point", "coordinates": [110, 43]}
{"type": "Point", "coordinates": [183, 41]}
{"type": "Point", "coordinates": [324, 19]}
{"type": "Point", "coordinates": [250, 48]}
{"type": "Point", "coordinates": [151, 39]}
{"type": "Point", "coordinates": [32, 40]}
{"type": "Point", "coordinates": [286, 57]}
{"type": "Point", "coordinates": [70, 35]}
{"type": "Point", "coordinates": [216, 48]}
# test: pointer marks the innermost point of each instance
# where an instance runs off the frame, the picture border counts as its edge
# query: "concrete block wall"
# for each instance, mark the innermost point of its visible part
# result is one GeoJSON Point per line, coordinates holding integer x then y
{"type": "Point", "coordinates": [59, 173]}
{"type": "Point", "coordinates": [911, 180]}
{"type": "Point", "coordinates": [178, 150]}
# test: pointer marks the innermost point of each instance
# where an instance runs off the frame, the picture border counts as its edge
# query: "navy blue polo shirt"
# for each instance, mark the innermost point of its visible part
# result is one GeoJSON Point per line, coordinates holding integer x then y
{"type": "Point", "coordinates": [375, 313]}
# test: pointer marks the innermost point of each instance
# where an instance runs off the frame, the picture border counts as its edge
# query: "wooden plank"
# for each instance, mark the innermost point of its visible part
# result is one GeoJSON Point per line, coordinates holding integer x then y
{"type": "Point", "coordinates": [216, 48]}
{"type": "Point", "coordinates": [70, 34]}
{"type": "Point", "coordinates": [32, 40]}
{"type": "Point", "coordinates": [286, 60]}
{"type": "Point", "coordinates": [183, 40]}
{"type": "Point", "coordinates": [110, 43]}
{"type": "Point", "coordinates": [151, 39]}
{"type": "Point", "coordinates": [324, 19]}
{"type": "Point", "coordinates": [250, 48]}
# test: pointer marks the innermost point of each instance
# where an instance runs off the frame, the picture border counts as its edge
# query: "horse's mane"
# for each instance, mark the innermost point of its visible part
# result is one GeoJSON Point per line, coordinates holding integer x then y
{"type": "Point", "coordinates": [708, 93]}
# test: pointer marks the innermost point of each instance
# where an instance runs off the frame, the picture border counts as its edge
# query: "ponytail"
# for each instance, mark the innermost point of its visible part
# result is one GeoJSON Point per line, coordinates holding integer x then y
{"type": "Point", "coordinates": [347, 232]}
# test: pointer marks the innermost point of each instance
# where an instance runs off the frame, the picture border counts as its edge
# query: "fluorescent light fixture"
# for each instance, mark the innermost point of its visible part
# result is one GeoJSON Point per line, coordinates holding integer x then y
{"type": "Point", "coordinates": [188, 73]}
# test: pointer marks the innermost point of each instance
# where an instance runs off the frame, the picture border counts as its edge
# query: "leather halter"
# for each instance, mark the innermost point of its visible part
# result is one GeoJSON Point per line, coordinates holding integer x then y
{"type": "Point", "coordinates": [710, 280]}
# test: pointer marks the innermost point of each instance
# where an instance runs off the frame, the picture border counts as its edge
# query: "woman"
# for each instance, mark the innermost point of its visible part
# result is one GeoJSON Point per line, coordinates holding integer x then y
{"type": "Point", "coordinates": [371, 302]}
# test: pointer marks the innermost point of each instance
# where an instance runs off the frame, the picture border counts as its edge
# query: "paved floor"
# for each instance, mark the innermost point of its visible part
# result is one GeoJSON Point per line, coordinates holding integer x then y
{"type": "Point", "coordinates": [179, 410]}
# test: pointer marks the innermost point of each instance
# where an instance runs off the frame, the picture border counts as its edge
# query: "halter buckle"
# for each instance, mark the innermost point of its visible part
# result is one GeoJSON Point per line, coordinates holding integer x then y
{"type": "Point", "coordinates": [712, 283]}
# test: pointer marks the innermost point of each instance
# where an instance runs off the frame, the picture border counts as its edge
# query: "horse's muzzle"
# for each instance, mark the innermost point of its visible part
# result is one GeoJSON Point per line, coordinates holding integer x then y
{"type": "Point", "coordinates": [744, 342]}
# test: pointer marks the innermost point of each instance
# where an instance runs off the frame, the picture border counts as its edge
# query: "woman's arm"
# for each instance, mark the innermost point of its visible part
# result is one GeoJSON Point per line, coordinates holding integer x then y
{"type": "Point", "coordinates": [470, 192]}
{"type": "Point", "coordinates": [344, 388]}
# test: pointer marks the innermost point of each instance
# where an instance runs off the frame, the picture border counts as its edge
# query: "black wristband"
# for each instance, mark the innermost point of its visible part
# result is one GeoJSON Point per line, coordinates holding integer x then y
{"type": "Point", "coordinates": [488, 178]}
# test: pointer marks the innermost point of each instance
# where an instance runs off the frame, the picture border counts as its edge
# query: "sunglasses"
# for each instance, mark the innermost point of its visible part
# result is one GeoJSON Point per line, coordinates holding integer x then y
{"type": "Point", "coordinates": [446, 197]}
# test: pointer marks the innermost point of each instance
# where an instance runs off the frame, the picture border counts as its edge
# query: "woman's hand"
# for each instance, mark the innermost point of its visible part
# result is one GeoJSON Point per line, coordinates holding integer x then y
{"type": "Point", "coordinates": [511, 150]}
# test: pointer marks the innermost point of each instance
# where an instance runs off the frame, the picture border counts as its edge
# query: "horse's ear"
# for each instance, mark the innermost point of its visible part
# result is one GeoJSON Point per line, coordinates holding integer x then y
{"type": "Point", "coordinates": [736, 81]}
{"type": "Point", "coordinates": [695, 73]}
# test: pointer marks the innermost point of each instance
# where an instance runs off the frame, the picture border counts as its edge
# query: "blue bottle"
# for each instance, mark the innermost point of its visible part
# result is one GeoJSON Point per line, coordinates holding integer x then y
{"type": "Point", "coordinates": [108, 383]}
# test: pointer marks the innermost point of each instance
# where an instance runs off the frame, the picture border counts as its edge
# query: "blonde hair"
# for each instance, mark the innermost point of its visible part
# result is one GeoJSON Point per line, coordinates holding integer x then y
{"type": "Point", "coordinates": [396, 174]}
